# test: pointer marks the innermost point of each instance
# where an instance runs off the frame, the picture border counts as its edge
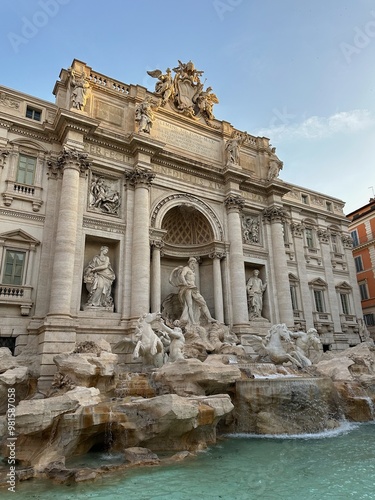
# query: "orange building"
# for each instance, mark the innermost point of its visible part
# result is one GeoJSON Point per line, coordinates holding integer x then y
{"type": "Point", "coordinates": [362, 230]}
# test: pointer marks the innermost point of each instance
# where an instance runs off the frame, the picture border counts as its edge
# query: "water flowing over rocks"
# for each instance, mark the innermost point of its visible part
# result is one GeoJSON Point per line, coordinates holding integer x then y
{"type": "Point", "coordinates": [178, 408]}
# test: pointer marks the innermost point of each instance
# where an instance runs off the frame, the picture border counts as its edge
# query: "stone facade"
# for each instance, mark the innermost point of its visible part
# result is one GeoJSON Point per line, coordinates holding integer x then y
{"type": "Point", "coordinates": [154, 178]}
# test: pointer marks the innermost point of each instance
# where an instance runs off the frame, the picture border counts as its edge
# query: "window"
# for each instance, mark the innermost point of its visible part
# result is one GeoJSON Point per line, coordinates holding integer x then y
{"type": "Point", "coordinates": [334, 242]}
{"type": "Point", "coordinates": [305, 199]}
{"type": "Point", "coordinates": [26, 169]}
{"type": "Point", "coordinates": [293, 294]}
{"type": "Point", "coordinates": [369, 319]}
{"type": "Point", "coordinates": [319, 301]}
{"type": "Point", "coordinates": [14, 267]}
{"type": "Point", "coordinates": [309, 237]}
{"type": "Point", "coordinates": [34, 114]}
{"type": "Point", "coordinates": [354, 236]}
{"type": "Point", "coordinates": [285, 232]}
{"type": "Point", "coordinates": [358, 264]}
{"type": "Point", "coordinates": [329, 206]}
{"type": "Point", "coordinates": [363, 290]}
{"type": "Point", "coordinates": [345, 303]}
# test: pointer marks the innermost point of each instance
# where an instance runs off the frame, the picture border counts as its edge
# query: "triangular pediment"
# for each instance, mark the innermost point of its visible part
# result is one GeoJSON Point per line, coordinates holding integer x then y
{"type": "Point", "coordinates": [344, 286]}
{"type": "Point", "coordinates": [18, 236]}
{"type": "Point", "coordinates": [293, 277]}
{"type": "Point", "coordinates": [318, 282]}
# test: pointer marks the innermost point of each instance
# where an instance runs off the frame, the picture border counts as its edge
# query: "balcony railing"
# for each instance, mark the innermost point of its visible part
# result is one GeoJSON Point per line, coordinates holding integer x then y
{"type": "Point", "coordinates": [17, 295]}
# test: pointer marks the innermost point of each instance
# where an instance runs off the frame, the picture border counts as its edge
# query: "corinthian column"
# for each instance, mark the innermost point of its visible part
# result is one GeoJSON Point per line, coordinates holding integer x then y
{"type": "Point", "coordinates": [218, 286]}
{"type": "Point", "coordinates": [73, 164]}
{"type": "Point", "coordinates": [275, 216]}
{"type": "Point", "coordinates": [157, 252]}
{"type": "Point", "coordinates": [234, 205]}
{"type": "Point", "coordinates": [140, 290]}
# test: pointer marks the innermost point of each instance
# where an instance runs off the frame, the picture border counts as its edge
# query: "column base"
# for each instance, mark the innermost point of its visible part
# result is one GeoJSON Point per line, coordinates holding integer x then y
{"type": "Point", "coordinates": [56, 335]}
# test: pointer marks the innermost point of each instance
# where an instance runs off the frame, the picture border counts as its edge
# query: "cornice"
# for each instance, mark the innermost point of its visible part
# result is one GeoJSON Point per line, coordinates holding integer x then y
{"type": "Point", "coordinates": [67, 120]}
{"type": "Point", "coordinates": [182, 164]}
{"type": "Point", "coordinates": [142, 143]}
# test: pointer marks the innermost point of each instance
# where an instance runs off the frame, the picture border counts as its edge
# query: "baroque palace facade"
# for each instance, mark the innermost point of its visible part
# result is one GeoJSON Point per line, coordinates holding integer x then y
{"type": "Point", "coordinates": [139, 181]}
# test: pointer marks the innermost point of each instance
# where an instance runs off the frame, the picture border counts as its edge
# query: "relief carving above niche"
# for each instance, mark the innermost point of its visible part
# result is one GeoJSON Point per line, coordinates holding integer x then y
{"type": "Point", "coordinates": [250, 229]}
{"type": "Point", "coordinates": [104, 195]}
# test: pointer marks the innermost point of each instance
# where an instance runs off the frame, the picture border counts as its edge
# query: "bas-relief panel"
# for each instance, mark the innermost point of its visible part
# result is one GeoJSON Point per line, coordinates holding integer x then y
{"type": "Point", "coordinates": [191, 142]}
{"type": "Point", "coordinates": [108, 112]}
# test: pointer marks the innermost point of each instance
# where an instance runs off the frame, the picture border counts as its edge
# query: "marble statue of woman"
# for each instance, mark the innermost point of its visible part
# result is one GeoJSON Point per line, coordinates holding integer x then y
{"type": "Point", "coordinates": [98, 277]}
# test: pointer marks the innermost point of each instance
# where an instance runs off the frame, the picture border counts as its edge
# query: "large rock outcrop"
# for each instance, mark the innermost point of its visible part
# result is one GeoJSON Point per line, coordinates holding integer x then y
{"type": "Point", "coordinates": [188, 377]}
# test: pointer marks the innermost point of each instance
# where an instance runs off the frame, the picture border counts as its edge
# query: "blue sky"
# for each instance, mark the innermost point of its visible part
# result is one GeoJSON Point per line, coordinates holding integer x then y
{"type": "Point", "coordinates": [299, 72]}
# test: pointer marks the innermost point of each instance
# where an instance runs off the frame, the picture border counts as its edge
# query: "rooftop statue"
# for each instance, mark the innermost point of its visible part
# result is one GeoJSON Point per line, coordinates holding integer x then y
{"type": "Point", "coordinates": [185, 91]}
{"type": "Point", "coordinates": [232, 149]}
{"type": "Point", "coordinates": [80, 90]}
{"type": "Point", "coordinates": [144, 115]}
{"type": "Point", "coordinates": [274, 165]}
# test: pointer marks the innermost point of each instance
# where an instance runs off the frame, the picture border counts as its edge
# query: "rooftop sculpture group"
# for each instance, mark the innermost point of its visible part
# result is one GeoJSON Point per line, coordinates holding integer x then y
{"type": "Point", "coordinates": [185, 91]}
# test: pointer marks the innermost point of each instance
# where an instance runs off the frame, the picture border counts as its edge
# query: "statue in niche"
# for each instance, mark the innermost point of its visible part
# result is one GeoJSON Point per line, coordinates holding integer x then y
{"type": "Point", "coordinates": [193, 303]}
{"type": "Point", "coordinates": [98, 277]}
{"type": "Point", "coordinates": [80, 90]}
{"type": "Point", "coordinates": [250, 229]}
{"type": "Point", "coordinates": [274, 166]}
{"type": "Point", "coordinates": [144, 115]}
{"type": "Point", "coordinates": [103, 197]}
{"type": "Point", "coordinates": [255, 290]}
{"type": "Point", "coordinates": [164, 87]}
{"type": "Point", "coordinates": [232, 149]}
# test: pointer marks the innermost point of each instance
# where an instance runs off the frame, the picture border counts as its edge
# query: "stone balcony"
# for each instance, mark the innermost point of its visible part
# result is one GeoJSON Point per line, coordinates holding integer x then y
{"type": "Point", "coordinates": [17, 295]}
{"type": "Point", "coordinates": [24, 192]}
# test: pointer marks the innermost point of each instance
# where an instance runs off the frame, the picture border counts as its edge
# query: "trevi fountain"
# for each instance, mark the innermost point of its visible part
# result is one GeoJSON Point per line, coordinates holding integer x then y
{"type": "Point", "coordinates": [196, 398]}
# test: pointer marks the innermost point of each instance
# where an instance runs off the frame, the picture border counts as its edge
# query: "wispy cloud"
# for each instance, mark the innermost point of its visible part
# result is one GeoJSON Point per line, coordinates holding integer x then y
{"type": "Point", "coordinates": [317, 127]}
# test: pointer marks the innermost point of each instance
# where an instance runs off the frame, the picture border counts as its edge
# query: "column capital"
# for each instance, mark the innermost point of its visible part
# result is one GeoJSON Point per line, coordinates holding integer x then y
{"type": "Point", "coordinates": [140, 177]}
{"type": "Point", "coordinates": [234, 202]}
{"type": "Point", "coordinates": [157, 244]}
{"type": "Point", "coordinates": [323, 235]}
{"type": "Point", "coordinates": [347, 241]}
{"type": "Point", "coordinates": [3, 156]}
{"type": "Point", "coordinates": [217, 255]}
{"type": "Point", "coordinates": [70, 159]}
{"type": "Point", "coordinates": [297, 229]}
{"type": "Point", "coordinates": [275, 214]}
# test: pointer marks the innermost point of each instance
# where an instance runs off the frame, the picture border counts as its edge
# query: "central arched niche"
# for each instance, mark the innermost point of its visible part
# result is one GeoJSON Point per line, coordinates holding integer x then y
{"type": "Point", "coordinates": [185, 225]}
{"type": "Point", "coordinates": [188, 232]}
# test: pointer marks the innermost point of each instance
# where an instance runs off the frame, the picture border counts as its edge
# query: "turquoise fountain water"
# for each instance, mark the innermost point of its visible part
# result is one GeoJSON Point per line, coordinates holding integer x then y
{"type": "Point", "coordinates": [336, 465]}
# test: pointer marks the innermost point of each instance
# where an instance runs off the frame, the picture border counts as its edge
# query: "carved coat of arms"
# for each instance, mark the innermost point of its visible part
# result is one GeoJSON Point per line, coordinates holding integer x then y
{"type": "Point", "coordinates": [185, 91]}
